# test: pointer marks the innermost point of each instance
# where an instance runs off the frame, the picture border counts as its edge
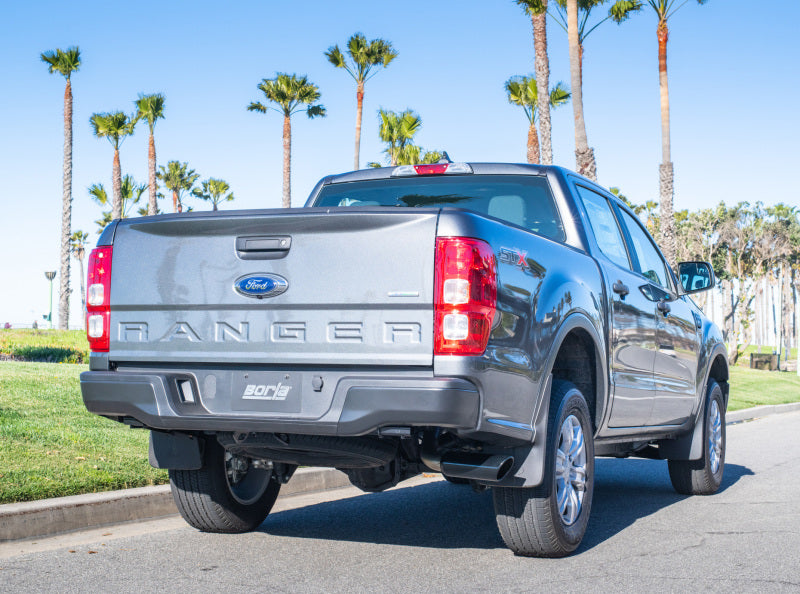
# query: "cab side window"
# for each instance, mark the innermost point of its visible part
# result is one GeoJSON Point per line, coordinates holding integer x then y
{"type": "Point", "coordinates": [604, 226]}
{"type": "Point", "coordinates": [651, 263]}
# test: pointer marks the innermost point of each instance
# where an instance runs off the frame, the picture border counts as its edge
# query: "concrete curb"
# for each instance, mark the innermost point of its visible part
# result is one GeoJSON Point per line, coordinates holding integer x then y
{"type": "Point", "coordinates": [749, 414]}
{"type": "Point", "coordinates": [47, 517]}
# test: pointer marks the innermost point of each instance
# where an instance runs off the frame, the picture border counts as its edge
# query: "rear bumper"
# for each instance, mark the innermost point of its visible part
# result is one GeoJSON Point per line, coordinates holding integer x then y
{"type": "Point", "coordinates": [328, 403]}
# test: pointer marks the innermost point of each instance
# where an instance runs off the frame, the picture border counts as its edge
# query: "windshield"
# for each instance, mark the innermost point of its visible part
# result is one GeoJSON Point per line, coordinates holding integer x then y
{"type": "Point", "coordinates": [522, 200]}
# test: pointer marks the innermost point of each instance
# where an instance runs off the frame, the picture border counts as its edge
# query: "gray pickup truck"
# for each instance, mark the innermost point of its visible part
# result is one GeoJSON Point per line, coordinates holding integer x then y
{"type": "Point", "coordinates": [500, 324]}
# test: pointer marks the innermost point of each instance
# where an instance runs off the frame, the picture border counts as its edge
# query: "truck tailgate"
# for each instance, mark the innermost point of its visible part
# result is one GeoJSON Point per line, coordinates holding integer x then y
{"type": "Point", "coordinates": [359, 288]}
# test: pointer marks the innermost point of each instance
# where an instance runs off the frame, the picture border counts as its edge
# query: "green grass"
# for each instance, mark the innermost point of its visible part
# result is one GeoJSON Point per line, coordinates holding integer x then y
{"type": "Point", "coordinates": [52, 446]}
{"type": "Point", "coordinates": [753, 387]}
{"type": "Point", "coordinates": [52, 346]}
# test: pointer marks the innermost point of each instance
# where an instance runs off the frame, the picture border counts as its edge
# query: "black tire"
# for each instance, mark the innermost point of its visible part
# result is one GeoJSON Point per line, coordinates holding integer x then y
{"type": "Point", "coordinates": [207, 500]}
{"type": "Point", "coordinates": [700, 477]}
{"type": "Point", "coordinates": [529, 519]}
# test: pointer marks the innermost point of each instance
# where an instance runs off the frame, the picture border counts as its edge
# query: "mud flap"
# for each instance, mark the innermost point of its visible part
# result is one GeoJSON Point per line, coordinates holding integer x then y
{"type": "Point", "coordinates": [176, 451]}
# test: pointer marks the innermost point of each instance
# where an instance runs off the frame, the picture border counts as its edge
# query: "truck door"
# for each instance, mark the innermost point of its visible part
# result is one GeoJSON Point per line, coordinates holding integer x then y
{"type": "Point", "coordinates": [633, 322]}
{"type": "Point", "coordinates": [677, 342]}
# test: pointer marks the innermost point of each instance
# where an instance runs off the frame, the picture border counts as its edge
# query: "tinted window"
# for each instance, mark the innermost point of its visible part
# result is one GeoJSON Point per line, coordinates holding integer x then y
{"type": "Point", "coordinates": [604, 226]}
{"type": "Point", "coordinates": [523, 200]}
{"type": "Point", "coordinates": [650, 262]}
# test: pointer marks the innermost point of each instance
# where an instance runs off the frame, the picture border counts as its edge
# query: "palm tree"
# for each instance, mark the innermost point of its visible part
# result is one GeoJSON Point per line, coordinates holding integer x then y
{"type": "Point", "coordinates": [65, 63]}
{"type": "Point", "coordinates": [666, 175]}
{"type": "Point", "coordinates": [567, 15]}
{"type": "Point", "coordinates": [151, 108]}
{"type": "Point", "coordinates": [115, 126]}
{"type": "Point", "coordinates": [524, 91]}
{"type": "Point", "coordinates": [584, 154]}
{"type": "Point", "coordinates": [77, 245]}
{"type": "Point", "coordinates": [290, 92]}
{"type": "Point", "coordinates": [537, 10]}
{"type": "Point", "coordinates": [131, 196]}
{"type": "Point", "coordinates": [213, 190]}
{"type": "Point", "coordinates": [412, 154]}
{"type": "Point", "coordinates": [364, 57]}
{"type": "Point", "coordinates": [178, 178]}
{"type": "Point", "coordinates": [397, 129]}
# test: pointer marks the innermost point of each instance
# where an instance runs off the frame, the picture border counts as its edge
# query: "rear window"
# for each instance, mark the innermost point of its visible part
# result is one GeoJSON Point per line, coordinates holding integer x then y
{"type": "Point", "coordinates": [522, 200]}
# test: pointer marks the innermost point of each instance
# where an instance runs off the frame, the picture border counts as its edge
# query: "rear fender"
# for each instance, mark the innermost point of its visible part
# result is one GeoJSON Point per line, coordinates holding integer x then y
{"type": "Point", "coordinates": [528, 468]}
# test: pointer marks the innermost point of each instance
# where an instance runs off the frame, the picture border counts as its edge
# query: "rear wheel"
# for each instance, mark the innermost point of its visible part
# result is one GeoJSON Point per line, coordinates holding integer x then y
{"type": "Point", "coordinates": [704, 476]}
{"type": "Point", "coordinates": [229, 494]}
{"type": "Point", "coordinates": [550, 520]}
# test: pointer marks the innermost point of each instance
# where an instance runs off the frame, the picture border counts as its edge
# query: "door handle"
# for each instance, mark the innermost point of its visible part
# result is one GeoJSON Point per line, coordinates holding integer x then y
{"type": "Point", "coordinates": [664, 307]}
{"type": "Point", "coordinates": [620, 289]}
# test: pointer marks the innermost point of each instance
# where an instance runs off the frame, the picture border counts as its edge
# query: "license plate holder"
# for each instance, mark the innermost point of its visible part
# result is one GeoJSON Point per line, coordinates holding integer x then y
{"type": "Point", "coordinates": [266, 391]}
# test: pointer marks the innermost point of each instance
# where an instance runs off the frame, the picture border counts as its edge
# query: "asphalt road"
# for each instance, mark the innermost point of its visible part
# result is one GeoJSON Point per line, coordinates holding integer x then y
{"type": "Point", "coordinates": [434, 536]}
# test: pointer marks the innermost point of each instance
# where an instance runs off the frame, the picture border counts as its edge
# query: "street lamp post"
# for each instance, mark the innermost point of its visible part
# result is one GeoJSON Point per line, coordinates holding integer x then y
{"type": "Point", "coordinates": [50, 275]}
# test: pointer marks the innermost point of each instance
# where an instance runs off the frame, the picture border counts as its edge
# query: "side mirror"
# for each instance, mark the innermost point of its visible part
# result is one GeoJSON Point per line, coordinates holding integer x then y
{"type": "Point", "coordinates": [695, 276]}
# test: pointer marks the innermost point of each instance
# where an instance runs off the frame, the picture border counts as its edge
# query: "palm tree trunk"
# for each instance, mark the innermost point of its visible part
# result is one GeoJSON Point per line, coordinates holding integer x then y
{"type": "Point", "coordinates": [83, 285]}
{"type": "Point", "coordinates": [359, 109]}
{"type": "Point", "coordinates": [287, 162]}
{"type": "Point", "coordinates": [542, 68]}
{"type": "Point", "coordinates": [533, 144]}
{"type": "Point", "coordinates": [116, 174]}
{"type": "Point", "coordinates": [66, 212]}
{"type": "Point", "coordinates": [666, 174]}
{"type": "Point", "coordinates": [176, 205]}
{"type": "Point", "coordinates": [152, 206]}
{"type": "Point", "coordinates": [584, 155]}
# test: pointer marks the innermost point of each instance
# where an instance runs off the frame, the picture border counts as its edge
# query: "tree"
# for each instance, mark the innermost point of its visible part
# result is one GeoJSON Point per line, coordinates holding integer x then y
{"type": "Point", "coordinates": [291, 93]}
{"type": "Point", "coordinates": [537, 10]}
{"type": "Point", "coordinates": [178, 178]}
{"type": "Point", "coordinates": [114, 126]}
{"type": "Point", "coordinates": [412, 154]}
{"type": "Point", "coordinates": [524, 91]}
{"type": "Point", "coordinates": [131, 193]}
{"type": "Point", "coordinates": [213, 190]}
{"type": "Point", "coordinates": [664, 9]}
{"type": "Point", "coordinates": [584, 155]}
{"type": "Point", "coordinates": [77, 245]}
{"type": "Point", "coordinates": [397, 129]}
{"type": "Point", "coordinates": [151, 108]}
{"type": "Point", "coordinates": [567, 15]}
{"type": "Point", "coordinates": [65, 62]}
{"type": "Point", "coordinates": [364, 56]}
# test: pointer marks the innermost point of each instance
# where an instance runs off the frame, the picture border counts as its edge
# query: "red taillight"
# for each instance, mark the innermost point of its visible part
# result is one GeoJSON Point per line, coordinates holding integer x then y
{"type": "Point", "coordinates": [431, 169]}
{"type": "Point", "coordinates": [98, 303]}
{"type": "Point", "coordinates": [465, 289]}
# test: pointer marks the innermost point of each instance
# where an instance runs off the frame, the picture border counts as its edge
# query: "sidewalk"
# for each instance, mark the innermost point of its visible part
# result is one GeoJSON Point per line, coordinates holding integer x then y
{"type": "Point", "coordinates": [48, 517]}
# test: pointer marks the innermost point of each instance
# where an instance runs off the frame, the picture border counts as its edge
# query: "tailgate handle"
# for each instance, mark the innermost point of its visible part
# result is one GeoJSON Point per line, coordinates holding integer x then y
{"type": "Point", "coordinates": [259, 247]}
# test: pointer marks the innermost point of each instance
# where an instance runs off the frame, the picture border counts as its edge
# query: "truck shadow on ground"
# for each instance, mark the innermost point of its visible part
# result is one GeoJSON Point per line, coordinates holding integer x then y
{"type": "Point", "coordinates": [443, 515]}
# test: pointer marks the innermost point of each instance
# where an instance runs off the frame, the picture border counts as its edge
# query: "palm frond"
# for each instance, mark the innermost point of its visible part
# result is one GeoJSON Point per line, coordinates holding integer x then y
{"type": "Point", "coordinates": [316, 111]}
{"type": "Point", "coordinates": [256, 106]}
{"type": "Point", "coordinates": [150, 108]}
{"type": "Point", "coordinates": [621, 10]}
{"type": "Point", "coordinates": [114, 126]}
{"type": "Point", "coordinates": [65, 62]}
{"type": "Point", "coordinates": [531, 7]}
{"type": "Point", "coordinates": [98, 193]}
{"type": "Point", "coordinates": [288, 91]}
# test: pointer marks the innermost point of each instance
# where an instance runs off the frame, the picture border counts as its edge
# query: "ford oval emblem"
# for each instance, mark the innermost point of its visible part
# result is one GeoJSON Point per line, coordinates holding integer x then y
{"type": "Point", "coordinates": [260, 285]}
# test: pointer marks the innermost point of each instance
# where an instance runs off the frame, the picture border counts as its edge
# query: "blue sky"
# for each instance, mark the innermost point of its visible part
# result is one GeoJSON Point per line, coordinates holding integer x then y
{"type": "Point", "coordinates": [728, 143]}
